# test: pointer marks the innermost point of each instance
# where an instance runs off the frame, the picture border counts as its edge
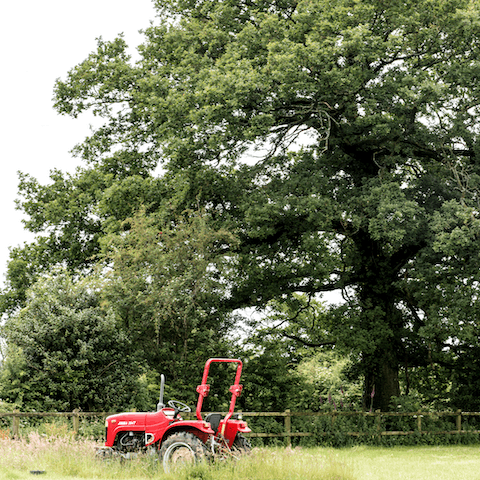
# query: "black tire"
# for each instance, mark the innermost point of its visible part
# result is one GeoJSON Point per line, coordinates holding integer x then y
{"type": "Point", "coordinates": [182, 450]}
{"type": "Point", "coordinates": [104, 453]}
{"type": "Point", "coordinates": [241, 445]}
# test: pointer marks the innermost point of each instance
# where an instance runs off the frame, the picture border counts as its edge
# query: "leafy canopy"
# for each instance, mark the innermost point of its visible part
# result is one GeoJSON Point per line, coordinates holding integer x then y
{"type": "Point", "coordinates": [167, 285]}
{"type": "Point", "coordinates": [338, 139]}
{"type": "Point", "coordinates": [65, 350]}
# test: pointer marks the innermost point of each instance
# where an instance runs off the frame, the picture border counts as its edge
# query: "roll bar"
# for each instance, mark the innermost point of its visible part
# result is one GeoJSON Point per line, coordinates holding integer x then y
{"type": "Point", "coordinates": [204, 388]}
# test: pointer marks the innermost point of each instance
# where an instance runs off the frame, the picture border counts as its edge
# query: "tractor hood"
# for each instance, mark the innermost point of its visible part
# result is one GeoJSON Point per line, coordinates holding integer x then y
{"type": "Point", "coordinates": [131, 419]}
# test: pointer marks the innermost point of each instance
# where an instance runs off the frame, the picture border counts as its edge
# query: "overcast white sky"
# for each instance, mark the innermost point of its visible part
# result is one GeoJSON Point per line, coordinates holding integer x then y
{"type": "Point", "coordinates": [40, 42]}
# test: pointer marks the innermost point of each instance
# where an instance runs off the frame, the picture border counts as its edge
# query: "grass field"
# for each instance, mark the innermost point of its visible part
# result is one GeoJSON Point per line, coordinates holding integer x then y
{"type": "Point", "coordinates": [63, 458]}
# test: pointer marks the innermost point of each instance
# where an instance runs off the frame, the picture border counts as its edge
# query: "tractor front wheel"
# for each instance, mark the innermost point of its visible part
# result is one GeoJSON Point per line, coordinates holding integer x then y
{"type": "Point", "coordinates": [180, 450]}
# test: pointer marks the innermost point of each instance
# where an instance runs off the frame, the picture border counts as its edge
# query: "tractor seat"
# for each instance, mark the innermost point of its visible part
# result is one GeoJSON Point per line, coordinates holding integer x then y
{"type": "Point", "coordinates": [214, 419]}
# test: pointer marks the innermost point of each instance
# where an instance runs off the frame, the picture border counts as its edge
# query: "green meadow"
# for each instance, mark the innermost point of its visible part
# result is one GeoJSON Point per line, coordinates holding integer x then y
{"type": "Point", "coordinates": [59, 458]}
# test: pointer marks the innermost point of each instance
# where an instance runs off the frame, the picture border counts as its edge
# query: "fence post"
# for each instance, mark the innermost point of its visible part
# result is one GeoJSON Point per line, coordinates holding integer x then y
{"type": "Point", "coordinates": [419, 422]}
{"type": "Point", "coordinates": [459, 421]}
{"type": "Point", "coordinates": [378, 421]}
{"type": "Point", "coordinates": [288, 428]}
{"type": "Point", "coordinates": [76, 421]}
{"type": "Point", "coordinates": [15, 425]}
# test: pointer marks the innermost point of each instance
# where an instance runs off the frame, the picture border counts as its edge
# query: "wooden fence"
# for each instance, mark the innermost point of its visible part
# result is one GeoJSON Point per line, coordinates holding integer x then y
{"type": "Point", "coordinates": [74, 416]}
{"type": "Point", "coordinates": [378, 416]}
{"type": "Point", "coordinates": [287, 415]}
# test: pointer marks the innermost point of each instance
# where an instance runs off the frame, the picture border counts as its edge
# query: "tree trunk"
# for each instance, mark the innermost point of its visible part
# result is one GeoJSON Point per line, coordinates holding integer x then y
{"type": "Point", "coordinates": [379, 324]}
{"type": "Point", "coordinates": [381, 380]}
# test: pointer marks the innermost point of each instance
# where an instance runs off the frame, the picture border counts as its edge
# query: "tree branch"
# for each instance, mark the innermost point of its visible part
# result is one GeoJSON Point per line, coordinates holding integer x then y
{"type": "Point", "coordinates": [309, 343]}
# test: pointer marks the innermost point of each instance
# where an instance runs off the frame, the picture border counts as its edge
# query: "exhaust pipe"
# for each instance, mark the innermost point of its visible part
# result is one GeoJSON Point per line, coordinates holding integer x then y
{"type": "Point", "coordinates": [160, 403]}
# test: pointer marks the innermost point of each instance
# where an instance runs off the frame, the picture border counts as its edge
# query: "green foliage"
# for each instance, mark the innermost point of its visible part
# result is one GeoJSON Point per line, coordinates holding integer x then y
{"type": "Point", "coordinates": [291, 361]}
{"type": "Point", "coordinates": [65, 351]}
{"type": "Point", "coordinates": [269, 382]}
{"type": "Point", "coordinates": [167, 285]}
{"type": "Point", "coordinates": [327, 373]}
{"type": "Point", "coordinates": [466, 381]}
{"type": "Point", "coordinates": [337, 140]}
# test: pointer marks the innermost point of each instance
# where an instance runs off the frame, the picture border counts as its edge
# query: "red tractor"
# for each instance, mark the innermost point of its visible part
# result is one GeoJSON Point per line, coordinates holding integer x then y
{"type": "Point", "coordinates": [179, 441]}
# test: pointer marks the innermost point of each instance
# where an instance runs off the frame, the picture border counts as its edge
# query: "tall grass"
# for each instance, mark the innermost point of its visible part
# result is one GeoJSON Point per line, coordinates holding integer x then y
{"type": "Point", "coordinates": [278, 463]}
{"type": "Point", "coordinates": [63, 458]}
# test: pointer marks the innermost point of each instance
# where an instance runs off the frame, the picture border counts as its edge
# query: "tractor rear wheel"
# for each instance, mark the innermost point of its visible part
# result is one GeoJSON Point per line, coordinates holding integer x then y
{"type": "Point", "coordinates": [241, 445]}
{"type": "Point", "coordinates": [182, 450]}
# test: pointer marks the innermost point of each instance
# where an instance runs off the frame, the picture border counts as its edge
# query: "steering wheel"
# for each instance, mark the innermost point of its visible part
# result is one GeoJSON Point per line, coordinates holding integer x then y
{"type": "Point", "coordinates": [179, 407]}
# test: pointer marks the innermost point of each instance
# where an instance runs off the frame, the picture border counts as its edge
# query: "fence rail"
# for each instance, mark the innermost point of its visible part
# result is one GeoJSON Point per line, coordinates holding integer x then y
{"type": "Point", "coordinates": [75, 416]}
{"type": "Point", "coordinates": [378, 416]}
{"type": "Point", "coordinates": [287, 415]}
